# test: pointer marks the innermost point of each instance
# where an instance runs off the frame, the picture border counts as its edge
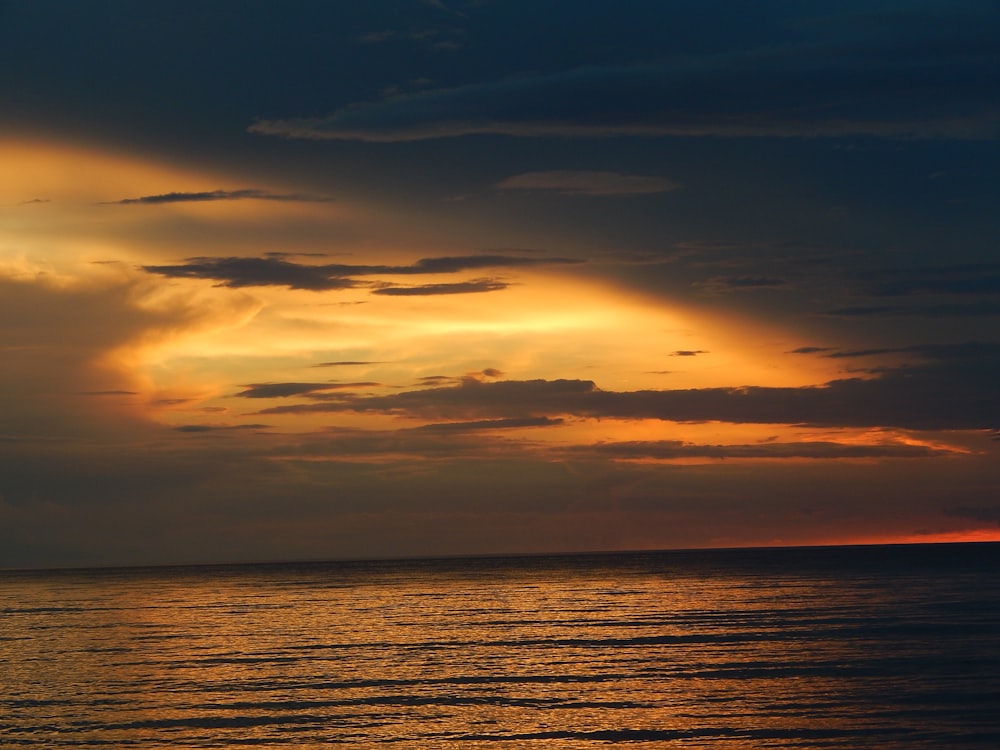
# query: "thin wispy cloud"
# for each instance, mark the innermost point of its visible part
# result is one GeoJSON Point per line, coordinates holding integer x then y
{"type": "Point", "coordinates": [490, 424]}
{"type": "Point", "coordinates": [425, 290]}
{"type": "Point", "coordinates": [284, 390]}
{"type": "Point", "coordinates": [943, 310]}
{"type": "Point", "coordinates": [218, 195]}
{"type": "Point", "coordinates": [579, 182]}
{"type": "Point", "coordinates": [344, 363]}
{"type": "Point", "coordinates": [203, 428]}
{"type": "Point", "coordinates": [818, 449]}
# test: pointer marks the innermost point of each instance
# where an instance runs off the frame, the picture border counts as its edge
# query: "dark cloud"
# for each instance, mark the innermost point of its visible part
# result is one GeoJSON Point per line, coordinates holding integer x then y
{"type": "Point", "coordinates": [811, 349]}
{"type": "Point", "coordinates": [986, 513]}
{"type": "Point", "coordinates": [469, 263]}
{"type": "Point", "coordinates": [437, 379]}
{"type": "Point", "coordinates": [937, 82]}
{"type": "Point", "coordinates": [219, 195]}
{"type": "Point", "coordinates": [344, 364]}
{"type": "Point", "coordinates": [274, 270]}
{"type": "Point", "coordinates": [108, 393]}
{"type": "Point", "coordinates": [244, 272]}
{"type": "Point", "coordinates": [970, 350]}
{"type": "Point", "coordinates": [464, 287]}
{"type": "Point", "coordinates": [220, 428]}
{"type": "Point", "coordinates": [687, 353]}
{"type": "Point", "coordinates": [284, 390]}
{"type": "Point", "coordinates": [491, 424]}
{"type": "Point", "coordinates": [959, 279]}
{"type": "Point", "coordinates": [736, 283]}
{"type": "Point", "coordinates": [954, 389]}
{"type": "Point", "coordinates": [945, 310]}
{"type": "Point", "coordinates": [671, 449]}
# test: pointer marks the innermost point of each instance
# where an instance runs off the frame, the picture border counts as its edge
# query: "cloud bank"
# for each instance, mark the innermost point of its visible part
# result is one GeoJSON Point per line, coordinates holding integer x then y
{"type": "Point", "coordinates": [954, 388]}
{"type": "Point", "coordinates": [876, 86]}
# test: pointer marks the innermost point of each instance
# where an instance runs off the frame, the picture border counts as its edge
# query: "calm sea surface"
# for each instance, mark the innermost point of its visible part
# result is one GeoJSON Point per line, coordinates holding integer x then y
{"type": "Point", "coordinates": [875, 647]}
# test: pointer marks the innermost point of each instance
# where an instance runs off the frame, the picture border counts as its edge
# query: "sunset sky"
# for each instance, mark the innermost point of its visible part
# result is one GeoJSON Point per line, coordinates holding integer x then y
{"type": "Point", "coordinates": [312, 280]}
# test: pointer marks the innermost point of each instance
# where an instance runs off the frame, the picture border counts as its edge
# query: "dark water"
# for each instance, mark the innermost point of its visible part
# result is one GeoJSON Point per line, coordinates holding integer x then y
{"type": "Point", "coordinates": [879, 647]}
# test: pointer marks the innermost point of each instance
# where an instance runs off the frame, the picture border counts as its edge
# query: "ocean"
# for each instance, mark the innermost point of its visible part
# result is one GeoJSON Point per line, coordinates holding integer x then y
{"type": "Point", "coordinates": [838, 647]}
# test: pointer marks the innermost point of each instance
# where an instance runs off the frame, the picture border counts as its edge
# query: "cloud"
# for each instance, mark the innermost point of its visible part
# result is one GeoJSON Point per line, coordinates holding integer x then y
{"type": "Point", "coordinates": [218, 195]}
{"type": "Point", "coordinates": [954, 389]}
{"type": "Point", "coordinates": [674, 449]}
{"type": "Point", "coordinates": [454, 264]}
{"type": "Point", "coordinates": [970, 350]}
{"type": "Point", "coordinates": [66, 348]}
{"type": "Point", "coordinates": [436, 38]}
{"type": "Point", "coordinates": [464, 287]}
{"type": "Point", "coordinates": [346, 363]}
{"type": "Point", "coordinates": [811, 349]}
{"type": "Point", "coordinates": [947, 310]}
{"type": "Point", "coordinates": [245, 272]}
{"type": "Point", "coordinates": [881, 84]}
{"type": "Point", "coordinates": [687, 353]}
{"type": "Point", "coordinates": [958, 279]}
{"type": "Point", "coordinates": [490, 424]}
{"type": "Point", "coordinates": [573, 182]}
{"type": "Point", "coordinates": [437, 380]}
{"type": "Point", "coordinates": [284, 390]}
{"type": "Point", "coordinates": [274, 270]}
{"type": "Point", "coordinates": [740, 283]}
{"type": "Point", "coordinates": [220, 428]}
{"type": "Point", "coordinates": [108, 393]}
{"type": "Point", "coordinates": [985, 513]}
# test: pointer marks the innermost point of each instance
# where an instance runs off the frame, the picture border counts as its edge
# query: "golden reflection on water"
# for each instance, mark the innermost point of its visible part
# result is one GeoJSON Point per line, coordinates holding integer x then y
{"type": "Point", "coordinates": [537, 654]}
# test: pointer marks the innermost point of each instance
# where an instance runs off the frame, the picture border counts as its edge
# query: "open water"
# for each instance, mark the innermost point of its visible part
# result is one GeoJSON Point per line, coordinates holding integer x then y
{"type": "Point", "coordinates": [864, 647]}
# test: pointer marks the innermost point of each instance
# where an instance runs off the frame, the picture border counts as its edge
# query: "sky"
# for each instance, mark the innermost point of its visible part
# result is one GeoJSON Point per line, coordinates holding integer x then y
{"type": "Point", "coordinates": [323, 280]}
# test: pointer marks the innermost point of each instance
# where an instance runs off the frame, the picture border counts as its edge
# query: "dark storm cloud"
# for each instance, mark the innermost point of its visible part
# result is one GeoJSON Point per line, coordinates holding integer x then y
{"type": "Point", "coordinates": [284, 390]}
{"type": "Point", "coordinates": [464, 287]}
{"type": "Point", "coordinates": [954, 390]}
{"type": "Point", "coordinates": [868, 78]}
{"type": "Point", "coordinates": [672, 449]}
{"type": "Point", "coordinates": [219, 195]}
{"type": "Point", "coordinates": [274, 270]}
